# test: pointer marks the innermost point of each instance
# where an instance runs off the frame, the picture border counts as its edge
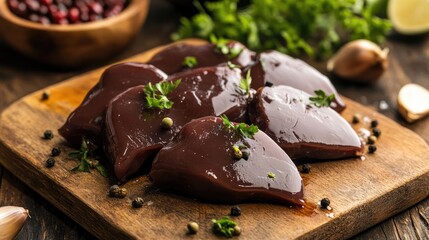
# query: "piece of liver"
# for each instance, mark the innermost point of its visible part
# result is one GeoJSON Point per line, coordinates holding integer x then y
{"type": "Point", "coordinates": [133, 133]}
{"type": "Point", "coordinates": [86, 119]}
{"type": "Point", "coordinates": [303, 130]}
{"type": "Point", "coordinates": [275, 68]}
{"type": "Point", "coordinates": [200, 163]}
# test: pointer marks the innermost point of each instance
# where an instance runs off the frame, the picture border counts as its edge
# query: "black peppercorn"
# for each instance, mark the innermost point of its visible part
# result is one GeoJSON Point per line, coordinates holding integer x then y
{"type": "Point", "coordinates": [45, 96]}
{"type": "Point", "coordinates": [268, 84]}
{"type": "Point", "coordinates": [138, 202]}
{"type": "Point", "coordinates": [325, 202]}
{"type": "Point", "coordinates": [50, 162]}
{"type": "Point", "coordinates": [113, 190]}
{"type": "Point", "coordinates": [374, 123]}
{"type": "Point", "coordinates": [376, 132]}
{"type": "Point", "coordinates": [356, 118]}
{"type": "Point", "coordinates": [306, 168]}
{"type": "Point", "coordinates": [372, 139]}
{"type": "Point", "coordinates": [235, 211]}
{"type": "Point", "coordinates": [372, 148]}
{"type": "Point", "coordinates": [56, 151]}
{"type": "Point", "coordinates": [48, 135]}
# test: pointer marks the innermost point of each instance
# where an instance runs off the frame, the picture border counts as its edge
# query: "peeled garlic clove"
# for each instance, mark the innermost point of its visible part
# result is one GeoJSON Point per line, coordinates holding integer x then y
{"type": "Point", "coordinates": [413, 102]}
{"type": "Point", "coordinates": [359, 61]}
{"type": "Point", "coordinates": [11, 221]}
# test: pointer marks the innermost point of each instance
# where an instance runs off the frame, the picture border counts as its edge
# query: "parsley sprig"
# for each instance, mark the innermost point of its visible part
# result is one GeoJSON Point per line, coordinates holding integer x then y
{"type": "Point", "coordinates": [190, 62]}
{"type": "Point", "coordinates": [243, 129]}
{"type": "Point", "coordinates": [224, 226]}
{"type": "Point", "coordinates": [85, 163]}
{"type": "Point", "coordinates": [321, 100]}
{"type": "Point", "coordinates": [223, 47]}
{"type": "Point", "coordinates": [245, 83]}
{"type": "Point", "coordinates": [268, 24]}
{"type": "Point", "coordinates": [156, 95]}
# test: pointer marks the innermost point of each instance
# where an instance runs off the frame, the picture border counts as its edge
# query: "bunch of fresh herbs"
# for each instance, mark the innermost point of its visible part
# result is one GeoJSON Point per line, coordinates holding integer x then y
{"type": "Point", "coordinates": [314, 27]}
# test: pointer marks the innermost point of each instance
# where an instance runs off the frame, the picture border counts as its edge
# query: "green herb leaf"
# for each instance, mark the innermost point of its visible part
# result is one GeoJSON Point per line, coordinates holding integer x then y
{"type": "Point", "coordinates": [190, 62]}
{"type": "Point", "coordinates": [224, 226]}
{"type": "Point", "coordinates": [245, 83]}
{"type": "Point", "coordinates": [268, 24]}
{"type": "Point", "coordinates": [232, 65]}
{"type": "Point", "coordinates": [271, 175]}
{"type": "Point", "coordinates": [243, 129]}
{"type": "Point", "coordinates": [321, 100]}
{"type": "Point", "coordinates": [224, 47]}
{"type": "Point", "coordinates": [156, 95]}
{"type": "Point", "coordinates": [85, 164]}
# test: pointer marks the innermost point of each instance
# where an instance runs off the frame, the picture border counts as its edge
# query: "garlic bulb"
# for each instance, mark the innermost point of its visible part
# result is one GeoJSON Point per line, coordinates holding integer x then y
{"type": "Point", "coordinates": [11, 221]}
{"type": "Point", "coordinates": [413, 102]}
{"type": "Point", "coordinates": [359, 61]}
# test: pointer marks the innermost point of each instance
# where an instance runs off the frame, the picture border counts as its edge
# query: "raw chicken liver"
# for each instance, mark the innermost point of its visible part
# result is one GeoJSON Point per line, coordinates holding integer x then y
{"type": "Point", "coordinates": [303, 130]}
{"type": "Point", "coordinates": [200, 163]}
{"type": "Point", "coordinates": [170, 60]}
{"type": "Point", "coordinates": [133, 133]}
{"type": "Point", "coordinates": [86, 120]}
{"type": "Point", "coordinates": [275, 68]}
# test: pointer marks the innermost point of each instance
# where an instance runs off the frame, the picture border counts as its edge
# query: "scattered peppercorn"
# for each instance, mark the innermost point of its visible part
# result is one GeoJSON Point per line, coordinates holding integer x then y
{"type": "Point", "coordinates": [45, 96]}
{"type": "Point", "coordinates": [372, 139]}
{"type": "Point", "coordinates": [246, 153]}
{"type": "Point", "coordinates": [50, 162]}
{"type": "Point", "coordinates": [325, 202]}
{"type": "Point", "coordinates": [122, 192]}
{"type": "Point", "coordinates": [372, 148]}
{"type": "Point", "coordinates": [237, 230]}
{"type": "Point", "coordinates": [113, 190]}
{"type": "Point", "coordinates": [48, 134]}
{"type": "Point", "coordinates": [235, 211]}
{"type": "Point", "coordinates": [356, 118]}
{"type": "Point", "coordinates": [56, 151]}
{"type": "Point", "coordinates": [376, 132]}
{"type": "Point", "coordinates": [193, 227]}
{"type": "Point", "coordinates": [306, 168]}
{"type": "Point", "coordinates": [137, 202]}
{"type": "Point", "coordinates": [374, 123]}
{"type": "Point", "coordinates": [238, 154]}
{"type": "Point", "coordinates": [167, 123]}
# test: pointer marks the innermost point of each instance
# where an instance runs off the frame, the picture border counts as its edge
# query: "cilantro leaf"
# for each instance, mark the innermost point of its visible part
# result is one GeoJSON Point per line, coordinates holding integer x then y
{"type": "Point", "coordinates": [232, 65]}
{"type": "Point", "coordinates": [190, 62]}
{"type": "Point", "coordinates": [224, 226]}
{"type": "Point", "coordinates": [156, 95]}
{"type": "Point", "coordinates": [224, 47]}
{"type": "Point", "coordinates": [243, 129]}
{"type": "Point", "coordinates": [321, 100]}
{"type": "Point", "coordinates": [245, 83]}
{"type": "Point", "coordinates": [271, 175]}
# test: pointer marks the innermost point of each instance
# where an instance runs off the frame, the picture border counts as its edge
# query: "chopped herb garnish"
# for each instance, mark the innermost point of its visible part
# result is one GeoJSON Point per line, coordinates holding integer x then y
{"type": "Point", "coordinates": [85, 164]}
{"type": "Point", "coordinates": [245, 130]}
{"type": "Point", "coordinates": [223, 47]}
{"type": "Point", "coordinates": [232, 65]}
{"type": "Point", "coordinates": [156, 95]}
{"type": "Point", "coordinates": [245, 83]}
{"type": "Point", "coordinates": [271, 175]}
{"type": "Point", "coordinates": [321, 100]}
{"type": "Point", "coordinates": [224, 226]}
{"type": "Point", "coordinates": [190, 62]}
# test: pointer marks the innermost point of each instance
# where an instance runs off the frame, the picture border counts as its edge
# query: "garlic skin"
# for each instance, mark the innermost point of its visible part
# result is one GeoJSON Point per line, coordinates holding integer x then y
{"type": "Point", "coordinates": [11, 221]}
{"type": "Point", "coordinates": [360, 61]}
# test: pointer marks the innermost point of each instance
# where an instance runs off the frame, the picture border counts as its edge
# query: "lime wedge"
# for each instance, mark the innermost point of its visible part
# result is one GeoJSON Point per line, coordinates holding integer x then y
{"type": "Point", "coordinates": [409, 16]}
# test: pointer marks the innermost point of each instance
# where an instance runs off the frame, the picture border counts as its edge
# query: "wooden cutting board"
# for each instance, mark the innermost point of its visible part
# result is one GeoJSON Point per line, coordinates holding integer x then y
{"type": "Point", "coordinates": [362, 192]}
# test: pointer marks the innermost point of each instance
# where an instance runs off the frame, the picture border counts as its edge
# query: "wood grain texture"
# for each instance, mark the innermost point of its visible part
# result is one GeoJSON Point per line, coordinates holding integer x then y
{"type": "Point", "coordinates": [362, 193]}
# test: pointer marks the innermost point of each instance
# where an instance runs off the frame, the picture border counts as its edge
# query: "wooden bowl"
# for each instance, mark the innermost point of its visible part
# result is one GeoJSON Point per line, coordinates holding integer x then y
{"type": "Point", "coordinates": [75, 44]}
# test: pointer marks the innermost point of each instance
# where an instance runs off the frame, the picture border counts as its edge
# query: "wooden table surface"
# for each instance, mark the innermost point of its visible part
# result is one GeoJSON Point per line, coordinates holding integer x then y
{"type": "Point", "coordinates": [409, 61]}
